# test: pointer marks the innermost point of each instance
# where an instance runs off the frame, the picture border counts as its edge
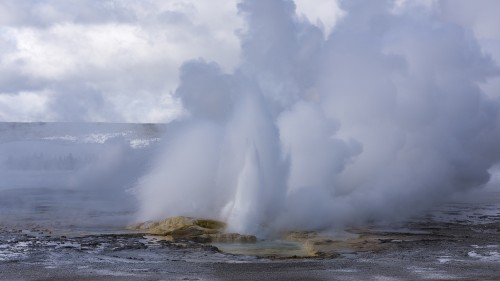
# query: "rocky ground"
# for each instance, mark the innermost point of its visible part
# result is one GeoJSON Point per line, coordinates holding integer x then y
{"type": "Point", "coordinates": [422, 250]}
{"type": "Point", "coordinates": [458, 241]}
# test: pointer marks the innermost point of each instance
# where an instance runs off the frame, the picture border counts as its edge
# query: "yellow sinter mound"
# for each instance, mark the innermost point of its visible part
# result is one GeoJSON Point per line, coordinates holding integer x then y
{"type": "Point", "coordinates": [200, 230]}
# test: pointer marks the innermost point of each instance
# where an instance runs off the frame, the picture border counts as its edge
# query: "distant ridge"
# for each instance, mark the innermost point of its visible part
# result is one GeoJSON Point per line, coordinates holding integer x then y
{"type": "Point", "coordinates": [16, 131]}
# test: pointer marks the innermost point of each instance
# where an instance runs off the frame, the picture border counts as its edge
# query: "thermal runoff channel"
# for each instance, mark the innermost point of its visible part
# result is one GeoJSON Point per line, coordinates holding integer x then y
{"type": "Point", "coordinates": [377, 120]}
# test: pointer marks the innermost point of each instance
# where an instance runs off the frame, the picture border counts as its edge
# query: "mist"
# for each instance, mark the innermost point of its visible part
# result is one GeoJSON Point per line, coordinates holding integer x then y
{"type": "Point", "coordinates": [375, 120]}
{"type": "Point", "coordinates": [72, 177]}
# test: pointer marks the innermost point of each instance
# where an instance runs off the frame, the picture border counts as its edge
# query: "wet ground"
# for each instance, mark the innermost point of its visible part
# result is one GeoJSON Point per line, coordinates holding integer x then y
{"type": "Point", "coordinates": [458, 241]}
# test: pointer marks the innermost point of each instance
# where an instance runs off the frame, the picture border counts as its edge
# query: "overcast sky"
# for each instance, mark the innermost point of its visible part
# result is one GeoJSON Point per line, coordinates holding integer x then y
{"type": "Point", "coordinates": [118, 60]}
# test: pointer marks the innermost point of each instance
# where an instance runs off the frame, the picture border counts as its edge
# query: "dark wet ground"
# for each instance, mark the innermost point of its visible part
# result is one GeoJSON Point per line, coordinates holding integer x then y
{"type": "Point", "coordinates": [451, 252]}
{"type": "Point", "coordinates": [459, 241]}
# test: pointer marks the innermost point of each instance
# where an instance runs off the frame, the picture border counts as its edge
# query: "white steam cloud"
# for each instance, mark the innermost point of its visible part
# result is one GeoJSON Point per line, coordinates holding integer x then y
{"type": "Point", "coordinates": [378, 121]}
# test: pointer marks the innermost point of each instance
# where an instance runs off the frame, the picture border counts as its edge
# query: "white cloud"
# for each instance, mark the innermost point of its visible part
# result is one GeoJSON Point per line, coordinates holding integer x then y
{"type": "Point", "coordinates": [123, 54]}
{"type": "Point", "coordinates": [26, 106]}
{"type": "Point", "coordinates": [123, 57]}
{"type": "Point", "coordinates": [323, 13]}
{"type": "Point", "coordinates": [481, 18]}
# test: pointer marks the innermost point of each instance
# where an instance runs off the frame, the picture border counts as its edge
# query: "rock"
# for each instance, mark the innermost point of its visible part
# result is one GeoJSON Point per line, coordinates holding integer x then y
{"type": "Point", "coordinates": [144, 226]}
{"type": "Point", "coordinates": [198, 230]}
{"type": "Point", "coordinates": [327, 247]}
{"type": "Point", "coordinates": [330, 246]}
{"type": "Point", "coordinates": [181, 226]}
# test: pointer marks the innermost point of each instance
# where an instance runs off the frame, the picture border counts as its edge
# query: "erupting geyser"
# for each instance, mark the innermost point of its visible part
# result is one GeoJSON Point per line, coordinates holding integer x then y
{"type": "Point", "coordinates": [379, 119]}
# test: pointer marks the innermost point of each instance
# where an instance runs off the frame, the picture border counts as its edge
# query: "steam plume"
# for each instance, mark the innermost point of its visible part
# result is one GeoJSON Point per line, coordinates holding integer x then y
{"type": "Point", "coordinates": [378, 121]}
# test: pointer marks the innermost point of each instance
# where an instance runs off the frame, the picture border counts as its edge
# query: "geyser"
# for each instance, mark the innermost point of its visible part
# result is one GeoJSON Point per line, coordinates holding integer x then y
{"type": "Point", "coordinates": [378, 121]}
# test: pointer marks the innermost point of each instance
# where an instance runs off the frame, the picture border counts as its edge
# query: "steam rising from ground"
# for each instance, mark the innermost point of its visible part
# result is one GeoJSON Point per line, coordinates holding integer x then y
{"type": "Point", "coordinates": [378, 121]}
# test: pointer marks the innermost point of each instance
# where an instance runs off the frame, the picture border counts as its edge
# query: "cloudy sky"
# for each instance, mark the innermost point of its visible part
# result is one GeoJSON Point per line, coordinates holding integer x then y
{"type": "Point", "coordinates": [118, 60]}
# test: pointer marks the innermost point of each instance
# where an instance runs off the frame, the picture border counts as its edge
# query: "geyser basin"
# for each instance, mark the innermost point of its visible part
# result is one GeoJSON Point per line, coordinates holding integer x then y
{"type": "Point", "coordinates": [378, 118]}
